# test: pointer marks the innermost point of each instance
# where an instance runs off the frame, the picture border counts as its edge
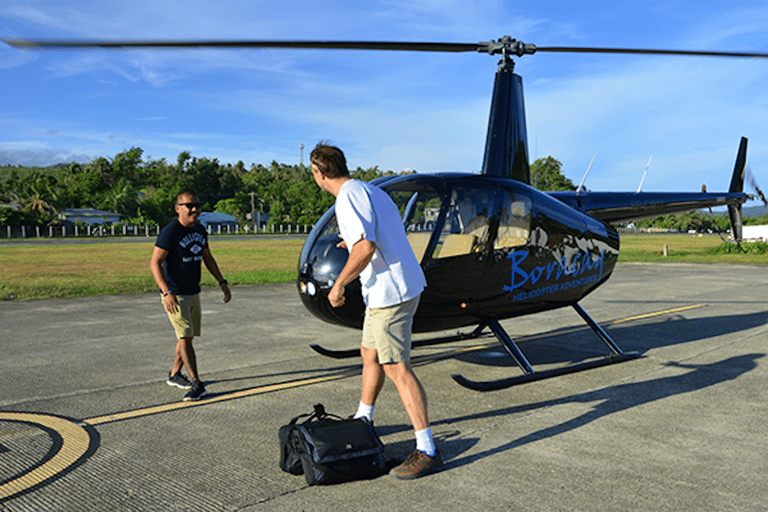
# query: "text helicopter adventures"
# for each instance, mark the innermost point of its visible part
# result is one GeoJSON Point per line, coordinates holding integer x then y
{"type": "Point", "coordinates": [491, 246]}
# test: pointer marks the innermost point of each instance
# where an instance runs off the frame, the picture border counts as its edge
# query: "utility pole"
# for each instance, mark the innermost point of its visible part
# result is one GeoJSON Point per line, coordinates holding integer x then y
{"type": "Point", "coordinates": [256, 228]}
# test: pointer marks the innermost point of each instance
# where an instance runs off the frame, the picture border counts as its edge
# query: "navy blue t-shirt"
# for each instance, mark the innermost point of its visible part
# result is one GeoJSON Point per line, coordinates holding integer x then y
{"type": "Point", "coordinates": [185, 252]}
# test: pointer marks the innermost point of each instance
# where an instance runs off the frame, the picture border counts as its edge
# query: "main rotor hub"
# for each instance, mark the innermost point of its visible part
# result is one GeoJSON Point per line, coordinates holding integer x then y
{"type": "Point", "coordinates": [507, 47]}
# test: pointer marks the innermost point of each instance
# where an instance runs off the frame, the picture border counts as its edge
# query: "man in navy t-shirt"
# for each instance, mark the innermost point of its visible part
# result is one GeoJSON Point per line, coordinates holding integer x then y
{"type": "Point", "coordinates": [180, 248]}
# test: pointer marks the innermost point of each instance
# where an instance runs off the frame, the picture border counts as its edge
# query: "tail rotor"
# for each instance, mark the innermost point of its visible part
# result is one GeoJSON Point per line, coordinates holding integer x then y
{"type": "Point", "coordinates": [737, 185]}
{"type": "Point", "coordinates": [752, 183]}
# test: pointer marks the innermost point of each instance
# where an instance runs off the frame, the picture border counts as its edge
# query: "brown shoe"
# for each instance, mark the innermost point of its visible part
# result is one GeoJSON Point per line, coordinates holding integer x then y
{"type": "Point", "coordinates": [417, 464]}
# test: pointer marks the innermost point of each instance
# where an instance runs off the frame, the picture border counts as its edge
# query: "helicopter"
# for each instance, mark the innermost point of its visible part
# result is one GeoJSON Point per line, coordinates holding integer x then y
{"type": "Point", "coordinates": [491, 246]}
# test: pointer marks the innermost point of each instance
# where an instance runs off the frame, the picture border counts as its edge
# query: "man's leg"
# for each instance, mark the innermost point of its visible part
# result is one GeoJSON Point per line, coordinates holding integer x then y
{"type": "Point", "coordinates": [411, 393]}
{"type": "Point", "coordinates": [185, 355]}
{"type": "Point", "coordinates": [373, 376]}
{"type": "Point", "coordinates": [426, 457]}
{"type": "Point", "coordinates": [373, 381]}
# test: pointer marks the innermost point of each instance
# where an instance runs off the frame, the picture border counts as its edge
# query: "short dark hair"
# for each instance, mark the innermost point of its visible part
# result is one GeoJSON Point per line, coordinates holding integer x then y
{"type": "Point", "coordinates": [329, 160]}
{"type": "Point", "coordinates": [185, 193]}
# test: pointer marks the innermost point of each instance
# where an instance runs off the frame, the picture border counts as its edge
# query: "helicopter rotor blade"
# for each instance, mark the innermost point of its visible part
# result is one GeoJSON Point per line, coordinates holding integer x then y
{"type": "Point", "coordinates": [328, 45]}
{"type": "Point", "coordinates": [506, 45]}
{"type": "Point", "coordinates": [648, 51]}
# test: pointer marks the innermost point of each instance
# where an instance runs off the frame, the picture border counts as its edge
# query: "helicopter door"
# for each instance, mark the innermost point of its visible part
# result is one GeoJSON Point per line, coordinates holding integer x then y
{"type": "Point", "coordinates": [514, 221]}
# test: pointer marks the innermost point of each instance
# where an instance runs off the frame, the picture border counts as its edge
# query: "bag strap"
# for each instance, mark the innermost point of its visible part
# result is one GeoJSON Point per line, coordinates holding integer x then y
{"type": "Point", "coordinates": [318, 414]}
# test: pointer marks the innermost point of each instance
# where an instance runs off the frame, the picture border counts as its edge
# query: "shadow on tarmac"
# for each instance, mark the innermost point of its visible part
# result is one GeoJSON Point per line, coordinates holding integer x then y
{"type": "Point", "coordinates": [610, 400]}
{"type": "Point", "coordinates": [575, 345]}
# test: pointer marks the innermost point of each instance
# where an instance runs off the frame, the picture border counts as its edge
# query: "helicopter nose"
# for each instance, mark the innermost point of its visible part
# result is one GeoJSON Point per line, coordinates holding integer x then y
{"type": "Point", "coordinates": [306, 283]}
{"type": "Point", "coordinates": [307, 287]}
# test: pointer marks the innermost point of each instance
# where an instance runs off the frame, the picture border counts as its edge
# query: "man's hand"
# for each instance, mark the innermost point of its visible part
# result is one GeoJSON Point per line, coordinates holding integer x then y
{"type": "Point", "coordinates": [336, 296]}
{"type": "Point", "coordinates": [171, 304]}
{"type": "Point", "coordinates": [359, 257]}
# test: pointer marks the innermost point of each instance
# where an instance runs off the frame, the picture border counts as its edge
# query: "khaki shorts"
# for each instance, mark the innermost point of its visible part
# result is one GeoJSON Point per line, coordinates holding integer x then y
{"type": "Point", "coordinates": [388, 331]}
{"type": "Point", "coordinates": [186, 321]}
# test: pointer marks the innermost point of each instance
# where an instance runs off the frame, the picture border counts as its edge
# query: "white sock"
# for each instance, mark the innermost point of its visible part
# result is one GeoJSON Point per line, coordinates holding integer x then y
{"type": "Point", "coordinates": [365, 411]}
{"type": "Point", "coordinates": [424, 442]}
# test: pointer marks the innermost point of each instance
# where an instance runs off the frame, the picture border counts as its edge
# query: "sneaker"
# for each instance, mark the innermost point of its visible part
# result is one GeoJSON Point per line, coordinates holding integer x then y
{"type": "Point", "coordinates": [179, 381]}
{"type": "Point", "coordinates": [417, 464]}
{"type": "Point", "coordinates": [196, 392]}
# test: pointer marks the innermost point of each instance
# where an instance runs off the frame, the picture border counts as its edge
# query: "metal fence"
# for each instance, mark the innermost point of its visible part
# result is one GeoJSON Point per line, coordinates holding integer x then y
{"type": "Point", "coordinates": [145, 231]}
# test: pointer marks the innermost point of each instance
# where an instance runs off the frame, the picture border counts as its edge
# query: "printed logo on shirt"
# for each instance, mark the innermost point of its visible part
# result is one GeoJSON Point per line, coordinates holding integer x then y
{"type": "Point", "coordinates": [194, 243]}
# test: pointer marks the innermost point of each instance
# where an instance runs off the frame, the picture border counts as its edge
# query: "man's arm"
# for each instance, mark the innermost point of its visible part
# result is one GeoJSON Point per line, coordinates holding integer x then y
{"type": "Point", "coordinates": [213, 268]}
{"type": "Point", "coordinates": [156, 267]}
{"type": "Point", "coordinates": [359, 257]}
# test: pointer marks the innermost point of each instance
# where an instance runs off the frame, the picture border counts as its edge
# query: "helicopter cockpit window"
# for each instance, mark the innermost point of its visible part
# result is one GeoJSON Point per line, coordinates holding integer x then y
{"type": "Point", "coordinates": [467, 223]}
{"type": "Point", "coordinates": [420, 211]}
{"type": "Point", "coordinates": [514, 221]}
{"type": "Point", "coordinates": [331, 228]}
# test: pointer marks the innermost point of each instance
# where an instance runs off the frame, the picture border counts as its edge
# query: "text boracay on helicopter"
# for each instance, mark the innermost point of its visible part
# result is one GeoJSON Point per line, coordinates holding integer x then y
{"type": "Point", "coordinates": [555, 276]}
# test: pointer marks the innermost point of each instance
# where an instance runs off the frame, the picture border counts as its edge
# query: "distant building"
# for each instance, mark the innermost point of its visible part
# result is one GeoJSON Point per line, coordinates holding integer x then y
{"type": "Point", "coordinates": [754, 233]}
{"type": "Point", "coordinates": [213, 220]}
{"type": "Point", "coordinates": [89, 216]}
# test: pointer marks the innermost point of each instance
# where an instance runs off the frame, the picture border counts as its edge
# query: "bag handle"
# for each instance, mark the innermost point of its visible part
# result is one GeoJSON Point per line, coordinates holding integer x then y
{"type": "Point", "coordinates": [318, 414]}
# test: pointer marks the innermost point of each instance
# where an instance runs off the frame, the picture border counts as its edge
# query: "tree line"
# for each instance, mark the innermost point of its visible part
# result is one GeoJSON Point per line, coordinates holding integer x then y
{"type": "Point", "coordinates": [144, 191]}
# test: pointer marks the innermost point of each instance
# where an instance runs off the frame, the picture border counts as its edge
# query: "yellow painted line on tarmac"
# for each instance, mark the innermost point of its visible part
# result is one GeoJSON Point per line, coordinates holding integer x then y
{"type": "Point", "coordinates": [99, 420]}
{"type": "Point", "coordinates": [75, 441]}
{"type": "Point", "coordinates": [657, 313]}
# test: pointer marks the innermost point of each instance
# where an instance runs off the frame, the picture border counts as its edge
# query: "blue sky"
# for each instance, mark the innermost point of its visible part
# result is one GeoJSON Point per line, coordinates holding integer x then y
{"type": "Point", "coordinates": [399, 111]}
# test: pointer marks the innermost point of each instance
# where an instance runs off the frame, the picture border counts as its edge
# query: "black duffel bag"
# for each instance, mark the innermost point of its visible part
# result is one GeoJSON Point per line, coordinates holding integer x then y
{"type": "Point", "coordinates": [328, 449]}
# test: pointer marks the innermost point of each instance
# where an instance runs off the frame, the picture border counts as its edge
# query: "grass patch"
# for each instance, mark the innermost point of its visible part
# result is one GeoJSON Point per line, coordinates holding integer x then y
{"type": "Point", "coordinates": [756, 248]}
{"type": "Point", "coordinates": [690, 248]}
{"type": "Point", "coordinates": [77, 270]}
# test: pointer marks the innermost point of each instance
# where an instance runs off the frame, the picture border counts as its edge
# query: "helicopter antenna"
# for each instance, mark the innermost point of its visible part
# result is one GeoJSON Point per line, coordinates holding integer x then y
{"type": "Point", "coordinates": [646, 172]}
{"type": "Point", "coordinates": [581, 185]}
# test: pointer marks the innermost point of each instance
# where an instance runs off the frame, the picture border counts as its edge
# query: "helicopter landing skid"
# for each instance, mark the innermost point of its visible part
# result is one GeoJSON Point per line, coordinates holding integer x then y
{"type": "Point", "coordinates": [345, 354]}
{"type": "Point", "coordinates": [615, 356]}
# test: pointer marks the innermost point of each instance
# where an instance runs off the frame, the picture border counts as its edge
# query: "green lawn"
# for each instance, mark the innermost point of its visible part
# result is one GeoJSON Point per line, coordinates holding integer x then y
{"type": "Point", "coordinates": [48, 271]}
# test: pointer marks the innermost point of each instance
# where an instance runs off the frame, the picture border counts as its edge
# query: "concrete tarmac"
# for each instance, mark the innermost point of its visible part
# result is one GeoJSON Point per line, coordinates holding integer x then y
{"type": "Point", "coordinates": [88, 423]}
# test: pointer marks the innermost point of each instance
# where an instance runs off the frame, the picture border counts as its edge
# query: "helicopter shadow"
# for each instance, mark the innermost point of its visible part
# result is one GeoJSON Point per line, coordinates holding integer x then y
{"type": "Point", "coordinates": [575, 345]}
{"type": "Point", "coordinates": [609, 400]}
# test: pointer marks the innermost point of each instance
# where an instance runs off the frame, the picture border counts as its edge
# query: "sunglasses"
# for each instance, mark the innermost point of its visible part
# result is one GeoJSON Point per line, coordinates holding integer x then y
{"type": "Point", "coordinates": [191, 205]}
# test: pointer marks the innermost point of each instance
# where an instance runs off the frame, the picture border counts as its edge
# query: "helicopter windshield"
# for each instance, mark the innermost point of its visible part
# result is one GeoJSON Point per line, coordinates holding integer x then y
{"type": "Point", "coordinates": [420, 211]}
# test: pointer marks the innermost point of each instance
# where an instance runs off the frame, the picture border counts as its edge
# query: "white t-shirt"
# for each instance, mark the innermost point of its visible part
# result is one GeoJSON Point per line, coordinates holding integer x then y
{"type": "Point", "coordinates": [394, 275]}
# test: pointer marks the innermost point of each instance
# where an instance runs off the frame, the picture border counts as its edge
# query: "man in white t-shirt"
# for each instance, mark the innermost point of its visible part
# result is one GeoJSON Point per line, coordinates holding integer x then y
{"type": "Point", "coordinates": [392, 281]}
